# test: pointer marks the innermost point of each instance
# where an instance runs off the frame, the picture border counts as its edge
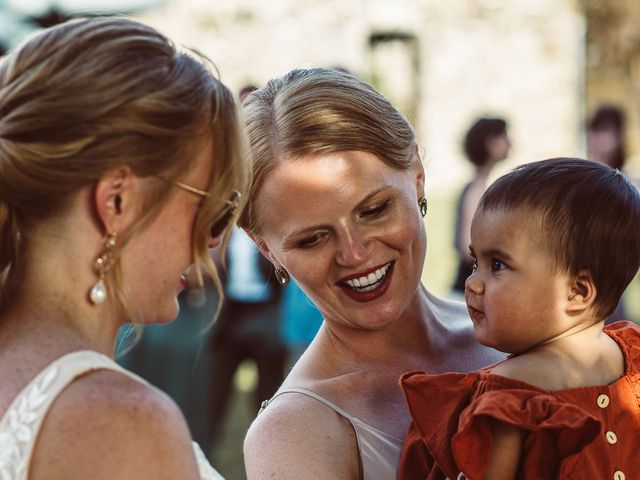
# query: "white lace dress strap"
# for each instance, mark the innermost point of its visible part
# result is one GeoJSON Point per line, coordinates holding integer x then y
{"type": "Point", "coordinates": [21, 423]}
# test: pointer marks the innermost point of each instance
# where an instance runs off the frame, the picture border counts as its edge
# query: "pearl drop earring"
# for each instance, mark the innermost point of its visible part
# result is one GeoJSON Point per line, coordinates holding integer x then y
{"type": "Point", "coordinates": [98, 293]}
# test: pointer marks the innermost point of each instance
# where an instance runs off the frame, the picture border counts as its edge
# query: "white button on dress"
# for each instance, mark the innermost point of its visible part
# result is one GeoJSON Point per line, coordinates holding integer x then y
{"type": "Point", "coordinates": [603, 401]}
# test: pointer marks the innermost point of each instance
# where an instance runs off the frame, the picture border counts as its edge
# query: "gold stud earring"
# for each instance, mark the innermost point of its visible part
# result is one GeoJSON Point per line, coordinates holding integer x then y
{"type": "Point", "coordinates": [422, 203]}
{"type": "Point", "coordinates": [282, 276]}
{"type": "Point", "coordinates": [98, 293]}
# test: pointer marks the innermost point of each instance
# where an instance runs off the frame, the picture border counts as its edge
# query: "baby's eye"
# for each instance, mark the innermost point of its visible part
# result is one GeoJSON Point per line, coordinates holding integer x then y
{"type": "Point", "coordinates": [474, 267]}
{"type": "Point", "coordinates": [376, 211]}
{"type": "Point", "coordinates": [497, 265]}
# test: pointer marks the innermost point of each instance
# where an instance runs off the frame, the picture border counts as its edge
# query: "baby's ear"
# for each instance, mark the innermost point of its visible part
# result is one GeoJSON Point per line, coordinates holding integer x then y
{"type": "Point", "coordinates": [582, 292]}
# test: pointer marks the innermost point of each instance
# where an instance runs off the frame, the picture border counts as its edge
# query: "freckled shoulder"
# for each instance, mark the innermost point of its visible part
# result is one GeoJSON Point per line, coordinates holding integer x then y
{"type": "Point", "coordinates": [297, 437]}
{"type": "Point", "coordinates": [106, 425]}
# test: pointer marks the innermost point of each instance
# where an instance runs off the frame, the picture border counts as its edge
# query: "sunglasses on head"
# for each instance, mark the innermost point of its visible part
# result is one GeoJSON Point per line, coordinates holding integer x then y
{"type": "Point", "coordinates": [220, 225]}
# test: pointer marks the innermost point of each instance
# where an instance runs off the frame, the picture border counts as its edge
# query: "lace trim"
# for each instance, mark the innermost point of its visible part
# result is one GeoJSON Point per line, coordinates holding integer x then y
{"type": "Point", "coordinates": [18, 428]}
{"type": "Point", "coordinates": [17, 433]}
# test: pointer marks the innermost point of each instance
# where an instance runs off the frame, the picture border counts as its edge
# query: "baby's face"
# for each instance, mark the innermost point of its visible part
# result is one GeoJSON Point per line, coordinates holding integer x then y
{"type": "Point", "coordinates": [516, 297]}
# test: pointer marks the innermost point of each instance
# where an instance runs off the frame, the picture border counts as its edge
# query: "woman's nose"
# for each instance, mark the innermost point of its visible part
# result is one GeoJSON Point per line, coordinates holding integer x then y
{"type": "Point", "coordinates": [354, 249]}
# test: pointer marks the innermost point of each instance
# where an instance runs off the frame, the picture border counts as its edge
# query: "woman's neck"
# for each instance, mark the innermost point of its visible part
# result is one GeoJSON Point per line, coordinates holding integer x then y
{"type": "Point", "coordinates": [50, 297]}
{"type": "Point", "coordinates": [405, 341]}
{"type": "Point", "coordinates": [56, 322]}
{"type": "Point", "coordinates": [482, 174]}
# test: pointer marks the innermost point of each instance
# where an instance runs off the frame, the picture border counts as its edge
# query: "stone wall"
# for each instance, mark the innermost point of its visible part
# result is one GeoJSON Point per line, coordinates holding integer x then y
{"type": "Point", "coordinates": [443, 62]}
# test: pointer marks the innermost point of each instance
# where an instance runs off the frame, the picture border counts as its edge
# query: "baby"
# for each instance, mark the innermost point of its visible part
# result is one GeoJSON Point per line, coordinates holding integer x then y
{"type": "Point", "coordinates": [555, 244]}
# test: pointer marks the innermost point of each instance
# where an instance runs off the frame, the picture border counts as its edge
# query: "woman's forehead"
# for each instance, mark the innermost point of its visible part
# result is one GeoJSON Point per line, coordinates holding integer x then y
{"type": "Point", "coordinates": [319, 188]}
{"type": "Point", "coordinates": [331, 171]}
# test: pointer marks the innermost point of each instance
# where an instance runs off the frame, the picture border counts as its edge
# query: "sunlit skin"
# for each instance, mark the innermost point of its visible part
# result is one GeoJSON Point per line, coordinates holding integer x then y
{"type": "Point", "coordinates": [516, 297]}
{"type": "Point", "coordinates": [155, 261]}
{"type": "Point", "coordinates": [341, 215]}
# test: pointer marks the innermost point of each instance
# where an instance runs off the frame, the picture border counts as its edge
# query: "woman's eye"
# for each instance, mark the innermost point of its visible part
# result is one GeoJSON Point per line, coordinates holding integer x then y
{"type": "Point", "coordinates": [497, 265]}
{"type": "Point", "coordinates": [310, 241]}
{"type": "Point", "coordinates": [375, 211]}
{"type": "Point", "coordinates": [474, 267]}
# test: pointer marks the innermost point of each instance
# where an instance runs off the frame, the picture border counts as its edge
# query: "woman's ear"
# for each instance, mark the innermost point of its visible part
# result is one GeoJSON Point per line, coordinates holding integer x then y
{"type": "Point", "coordinates": [262, 246]}
{"type": "Point", "coordinates": [582, 292]}
{"type": "Point", "coordinates": [113, 198]}
{"type": "Point", "coordinates": [418, 171]}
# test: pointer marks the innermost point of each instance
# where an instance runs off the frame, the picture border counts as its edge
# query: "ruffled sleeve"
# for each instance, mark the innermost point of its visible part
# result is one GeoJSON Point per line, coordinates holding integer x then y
{"type": "Point", "coordinates": [554, 431]}
{"type": "Point", "coordinates": [451, 429]}
{"type": "Point", "coordinates": [435, 402]}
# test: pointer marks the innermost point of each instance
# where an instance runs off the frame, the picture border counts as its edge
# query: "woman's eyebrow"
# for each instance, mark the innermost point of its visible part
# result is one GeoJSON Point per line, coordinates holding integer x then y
{"type": "Point", "coordinates": [373, 194]}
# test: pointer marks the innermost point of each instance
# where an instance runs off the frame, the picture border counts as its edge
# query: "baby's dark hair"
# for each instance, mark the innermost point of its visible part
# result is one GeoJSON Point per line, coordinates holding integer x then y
{"type": "Point", "coordinates": [589, 214]}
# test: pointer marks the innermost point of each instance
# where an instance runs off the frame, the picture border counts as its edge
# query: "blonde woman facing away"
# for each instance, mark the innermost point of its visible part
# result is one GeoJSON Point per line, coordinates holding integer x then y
{"type": "Point", "coordinates": [120, 164]}
{"type": "Point", "coordinates": [337, 202]}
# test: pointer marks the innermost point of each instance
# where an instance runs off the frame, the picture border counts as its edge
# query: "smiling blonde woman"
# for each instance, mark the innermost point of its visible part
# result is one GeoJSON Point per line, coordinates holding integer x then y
{"type": "Point", "coordinates": [337, 202]}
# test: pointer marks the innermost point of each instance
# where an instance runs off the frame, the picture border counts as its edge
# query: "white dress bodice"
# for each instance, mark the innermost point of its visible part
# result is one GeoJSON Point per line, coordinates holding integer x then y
{"type": "Point", "coordinates": [20, 424]}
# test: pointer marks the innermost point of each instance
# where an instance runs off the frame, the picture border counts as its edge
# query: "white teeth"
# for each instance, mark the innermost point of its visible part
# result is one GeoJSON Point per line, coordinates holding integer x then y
{"type": "Point", "coordinates": [369, 282]}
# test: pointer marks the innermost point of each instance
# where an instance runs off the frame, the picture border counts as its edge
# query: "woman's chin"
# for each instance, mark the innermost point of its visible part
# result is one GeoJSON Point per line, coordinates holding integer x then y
{"type": "Point", "coordinates": [169, 314]}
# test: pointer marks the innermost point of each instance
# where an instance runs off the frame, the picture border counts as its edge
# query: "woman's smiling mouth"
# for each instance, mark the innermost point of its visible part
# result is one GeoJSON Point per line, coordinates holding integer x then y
{"type": "Point", "coordinates": [368, 286]}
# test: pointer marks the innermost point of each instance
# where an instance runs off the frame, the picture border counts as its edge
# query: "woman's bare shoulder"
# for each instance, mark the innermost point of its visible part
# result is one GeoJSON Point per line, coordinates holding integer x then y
{"type": "Point", "coordinates": [298, 437]}
{"type": "Point", "coordinates": [140, 428]}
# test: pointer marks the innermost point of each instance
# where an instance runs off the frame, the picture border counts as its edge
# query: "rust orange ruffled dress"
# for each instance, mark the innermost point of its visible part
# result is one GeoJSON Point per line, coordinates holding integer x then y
{"type": "Point", "coordinates": [580, 433]}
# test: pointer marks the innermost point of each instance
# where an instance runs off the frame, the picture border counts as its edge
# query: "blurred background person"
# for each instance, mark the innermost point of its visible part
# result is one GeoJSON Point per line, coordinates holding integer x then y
{"type": "Point", "coordinates": [606, 136]}
{"type": "Point", "coordinates": [485, 144]}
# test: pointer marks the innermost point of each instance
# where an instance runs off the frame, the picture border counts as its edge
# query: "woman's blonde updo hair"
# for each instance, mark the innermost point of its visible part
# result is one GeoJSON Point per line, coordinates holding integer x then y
{"type": "Point", "coordinates": [91, 95]}
{"type": "Point", "coordinates": [312, 112]}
